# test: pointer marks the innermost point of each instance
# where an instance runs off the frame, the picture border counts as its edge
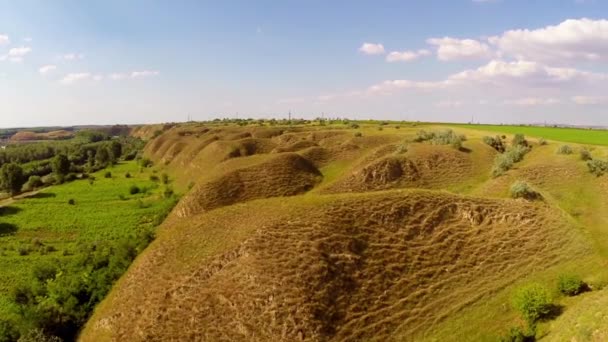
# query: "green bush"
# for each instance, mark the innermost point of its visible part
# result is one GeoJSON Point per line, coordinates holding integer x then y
{"type": "Point", "coordinates": [71, 201]}
{"type": "Point", "coordinates": [585, 154]}
{"type": "Point", "coordinates": [401, 148]}
{"type": "Point", "coordinates": [128, 175]}
{"type": "Point", "coordinates": [8, 332]}
{"type": "Point", "coordinates": [597, 167]}
{"type": "Point", "coordinates": [521, 189]}
{"type": "Point", "coordinates": [519, 140]}
{"type": "Point", "coordinates": [542, 141]}
{"type": "Point", "coordinates": [533, 302]}
{"type": "Point", "coordinates": [354, 126]}
{"type": "Point", "coordinates": [564, 149]}
{"type": "Point", "coordinates": [145, 162]}
{"type": "Point", "coordinates": [570, 284]}
{"type": "Point", "coordinates": [447, 137]}
{"type": "Point", "coordinates": [517, 153]}
{"type": "Point", "coordinates": [502, 164]}
{"type": "Point", "coordinates": [134, 190]}
{"type": "Point", "coordinates": [358, 135]}
{"type": "Point", "coordinates": [154, 178]}
{"type": "Point", "coordinates": [34, 182]}
{"type": "Point", "coordinates": [108, 174]}
{"type": "Point", "coordinates": [495, 142]}
{"type": "Point", "coordinates": [164, 178]}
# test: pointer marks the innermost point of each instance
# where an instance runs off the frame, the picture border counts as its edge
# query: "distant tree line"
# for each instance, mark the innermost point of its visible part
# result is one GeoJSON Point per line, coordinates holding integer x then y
{"type": "Point", "coordinates": [55, 162]}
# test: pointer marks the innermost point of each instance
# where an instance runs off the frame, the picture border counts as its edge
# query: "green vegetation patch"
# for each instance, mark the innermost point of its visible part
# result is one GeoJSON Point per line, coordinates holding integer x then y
{"type": "Point", "coordinates": [573, 135]}
{"type": "Point", "coordinates": [53, 225]}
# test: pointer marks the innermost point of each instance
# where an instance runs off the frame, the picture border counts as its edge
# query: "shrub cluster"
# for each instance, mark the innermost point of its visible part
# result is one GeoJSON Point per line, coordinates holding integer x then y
{"type": "Point", "coordinates": [570, 285]}
{"type": "Point", "coordinates": [496, 143]}
{"type": "Point", "coordinates": [585, 154]}
{"type": "Point", "coordinates": [504, 161]}
{"type": "Point", "coordinates": [59, 305]}
{"type": "Point", "coordinates": [564, 149]}
{"type": "Point", "coordinates": [542, 141]}
{"type": "Point", "coordinates": [533, 303]}
{"type": "Point", "coordinates": [447, 137]}
{"type": "Point", "coordinates": [597, 167]}
{"type": "Point", "coordinates": [521, 189]}
{"type": "Point", "coordinates": [519, 140]}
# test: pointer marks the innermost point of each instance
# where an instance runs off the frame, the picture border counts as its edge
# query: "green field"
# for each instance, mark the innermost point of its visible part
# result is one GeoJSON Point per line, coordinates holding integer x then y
{"type": "Point", "coordinates": [574, 135]}
{"type": "Point", "coordinates": [45, 227]}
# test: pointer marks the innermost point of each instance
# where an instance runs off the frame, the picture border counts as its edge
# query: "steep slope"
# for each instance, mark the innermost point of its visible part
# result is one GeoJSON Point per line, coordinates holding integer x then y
{"type": "Point", "coordinates": [382, 266]}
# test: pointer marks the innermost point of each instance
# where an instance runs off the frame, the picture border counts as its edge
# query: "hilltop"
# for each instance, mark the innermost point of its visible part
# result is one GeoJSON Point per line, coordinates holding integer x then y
{"type": "Point", "coordinates": [355, 231]}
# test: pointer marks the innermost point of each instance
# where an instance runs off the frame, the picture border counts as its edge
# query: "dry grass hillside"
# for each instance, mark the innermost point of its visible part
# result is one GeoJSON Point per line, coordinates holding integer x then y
{"type": "Point", "coordinates": [320, 234]}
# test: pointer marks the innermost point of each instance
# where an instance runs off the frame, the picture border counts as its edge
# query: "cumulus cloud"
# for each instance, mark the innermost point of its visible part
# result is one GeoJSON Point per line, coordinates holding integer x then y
{"type": "Point", "coordinates": [134, 75]}
{"type": "Point", "coordinates": [449, 49]}
{"type": "Point", "coordinates": [498, 74]}
{"type": "Point", "coordinates": [72, 56]}
{"type": "Point", "coordinates": [525, 72]}
{"type": "Point", "coordinates": [4, 39]}
{"type": "Point", "coordinates": [47, 69]}
{"type": "Point", "coordinates": [117, 76]}
{"type": "Point", "coordinates": [17, 54]}
{"type": "Point", "coordinates": [70, 79]}
{"type": "Point", "coordinates": [144, 73]}
{"type": "Point", "coordinates": [589, 100]}
{"type": "Point", "coordinates": [532, 101]}
{"type": "Point", "coordinates": [449, 104]}
{"type": "Point", "coordinates": [372, 49]}
{"type": "Point", "coordinates": [571, 40]}
{"type": "Point", "coordinates": [406, 56]}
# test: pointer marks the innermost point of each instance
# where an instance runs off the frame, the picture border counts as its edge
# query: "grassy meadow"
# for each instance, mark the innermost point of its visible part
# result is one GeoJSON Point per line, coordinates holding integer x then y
{"type": "Point", "coordinates": [45, 226]}
{"type": "Point", "coordinates": [573, 135]}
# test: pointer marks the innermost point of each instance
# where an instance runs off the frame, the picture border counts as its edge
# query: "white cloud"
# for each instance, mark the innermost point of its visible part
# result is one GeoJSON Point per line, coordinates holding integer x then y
{"type": "Point", "coordinates": [4, 39]}
{"type": "Point", "coordinates": [589, 100]}
{"type": "Point", "coordinates": [75, 78]}
{"type": "Point", "coordinates": [406, 56]}
{"type": "Point", "coordinates": [118, 76]}
{"type": "Point", "coordinates": [72, 56]}
{"type": "Point", "coordinates": [532, 101]}
{"type": "Point", "coordinates": [27, 39]}
{"type": "Point", "coordinates": [47, 69]}
{"type": "Point", "coordinates": [501, 75]}
{"type": "Point", "coordinates": [525, 72]}
{"type": "Point", "coordinates": [16, 54]}
{"type": "Point", "coordinates": [372, 49]}
{"type": "Point", "coordinates": [449, 49]}
{"type": "Point", "coordinates": [449, 104]}
{"type": "Point", "coordinates": [144, 73]}
{"type": "Point", "coordinates": [97, 78]}
{"type": "Point", "coordinates": [570, 41]}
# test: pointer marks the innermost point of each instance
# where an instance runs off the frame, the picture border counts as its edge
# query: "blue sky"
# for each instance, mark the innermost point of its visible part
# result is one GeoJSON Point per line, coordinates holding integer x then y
{"type": "Point", "coordinates": [105, 62]}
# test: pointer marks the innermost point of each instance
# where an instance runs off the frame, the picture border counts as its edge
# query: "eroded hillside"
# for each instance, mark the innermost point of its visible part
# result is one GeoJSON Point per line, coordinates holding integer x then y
{"type": "Point", "coordinates": [321, 234]}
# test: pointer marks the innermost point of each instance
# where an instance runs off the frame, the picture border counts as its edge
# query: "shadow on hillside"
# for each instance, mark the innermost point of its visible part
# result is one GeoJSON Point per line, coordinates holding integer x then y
{"type": "Point", "coordinates": [465, 150]}
{"type": "Point", "coordinates": [7, 229]}
{"type": "Point", "coordinates": [8, 210]}
{"type": "Point", "coordinates": [43, 195]}
{"type": "Point", "coordinates": [555, 311]}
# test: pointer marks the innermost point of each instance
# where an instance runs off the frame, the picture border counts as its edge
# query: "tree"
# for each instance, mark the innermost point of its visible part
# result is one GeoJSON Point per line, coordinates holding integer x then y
{"type": "Point", "coordinates": [61, 165]}
{"type": "Point", "coordinates": [12, 178]}
{"type": "Point", "coordinates": [116, 148]}
{"type": "Point", "coordinates": [102, 157]}
{"type": "Point", "coordinates": [533, 302]}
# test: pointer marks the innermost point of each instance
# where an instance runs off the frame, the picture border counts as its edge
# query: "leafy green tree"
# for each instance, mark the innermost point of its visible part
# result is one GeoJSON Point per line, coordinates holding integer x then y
{"type": "Point", "coordinates": [533, 303]}
{"type": "Point", "coordinates": [61, 165]}
{"type": "Point", "coordinates": [116, 148]}
{"type": "Point", "coordinates": [102, 157]}
{"type": "Point", "coordinates": [12, 178]}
